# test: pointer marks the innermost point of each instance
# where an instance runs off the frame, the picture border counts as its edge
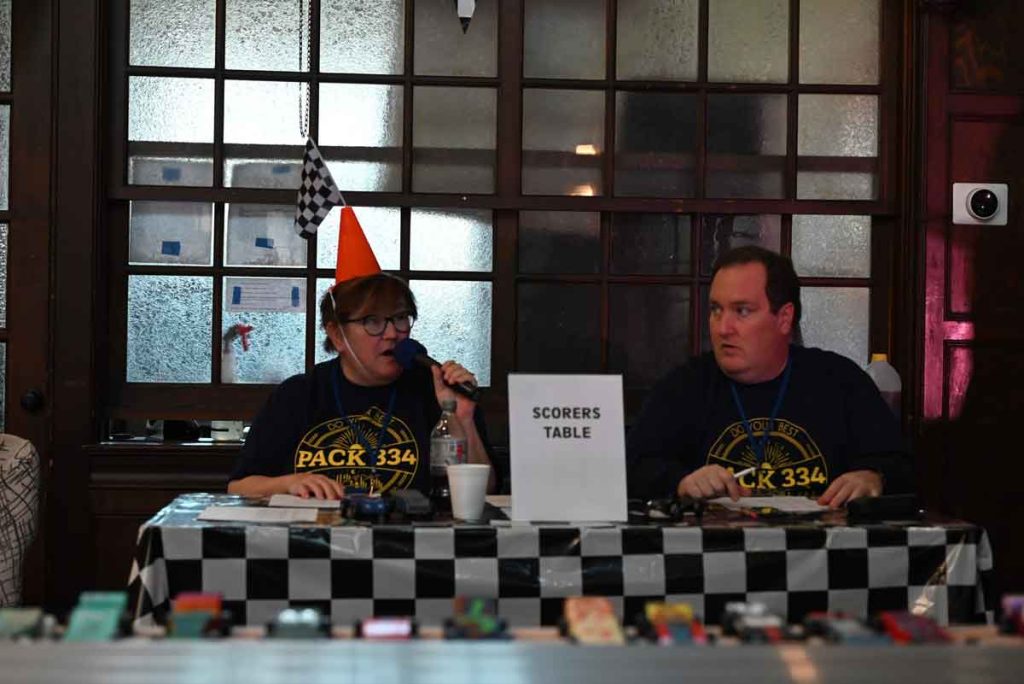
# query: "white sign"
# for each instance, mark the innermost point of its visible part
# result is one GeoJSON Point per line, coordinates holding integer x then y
{"type": "Point", "coordinates": [567, 447]}
{"type": "Point", "coordinates": [265, 294]}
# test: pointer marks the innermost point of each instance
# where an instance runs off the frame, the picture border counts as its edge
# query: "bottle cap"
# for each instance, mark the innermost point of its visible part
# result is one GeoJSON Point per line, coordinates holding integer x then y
{"type": "Point", "coordinates": [879, 357]}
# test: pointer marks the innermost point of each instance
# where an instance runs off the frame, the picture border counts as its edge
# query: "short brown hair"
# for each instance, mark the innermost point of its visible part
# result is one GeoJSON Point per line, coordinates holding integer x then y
{"type": "Point", "coordinates": [350, 297]}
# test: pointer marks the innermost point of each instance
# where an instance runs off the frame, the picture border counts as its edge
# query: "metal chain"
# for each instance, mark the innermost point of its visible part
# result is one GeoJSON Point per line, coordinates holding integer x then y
{"type": "Point", "coordinates": [305, 51]}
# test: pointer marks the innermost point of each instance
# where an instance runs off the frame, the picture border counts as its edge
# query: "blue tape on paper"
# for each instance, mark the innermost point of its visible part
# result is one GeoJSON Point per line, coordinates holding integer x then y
{"type": "Point", "coordinates": [170, 174]}
{"type": "Point", "coordinates": [170, 248]}
{"type": "Point", "coordinates": [265, 242]}
{"type": "Point", "coordinates": [296, 300]}
{"type": "Point", "coordinates": [236, 294]}
{"type": "Point", "coordinates": [280, 169]}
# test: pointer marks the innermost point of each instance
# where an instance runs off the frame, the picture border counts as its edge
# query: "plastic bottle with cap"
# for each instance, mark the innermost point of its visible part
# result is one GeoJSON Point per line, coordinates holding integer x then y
{"type": "Point", "coordinates": [887, 380]}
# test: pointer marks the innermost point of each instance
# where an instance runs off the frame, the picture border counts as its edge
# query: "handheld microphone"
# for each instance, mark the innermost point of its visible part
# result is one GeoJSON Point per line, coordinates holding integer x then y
{"type": "Point", "coordinates": [409, 352]}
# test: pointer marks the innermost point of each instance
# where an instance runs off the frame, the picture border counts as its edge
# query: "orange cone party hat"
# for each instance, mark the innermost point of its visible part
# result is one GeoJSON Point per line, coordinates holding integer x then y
{"type": "Point", "coordinates": [355, 257]}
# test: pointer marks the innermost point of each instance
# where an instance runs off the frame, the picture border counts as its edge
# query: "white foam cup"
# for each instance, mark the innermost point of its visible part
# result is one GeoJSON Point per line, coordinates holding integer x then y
{"type": "Point", "coordinates": [468, 485]}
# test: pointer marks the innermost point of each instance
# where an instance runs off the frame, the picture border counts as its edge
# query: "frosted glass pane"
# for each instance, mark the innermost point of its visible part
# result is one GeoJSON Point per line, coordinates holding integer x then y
{"type": "Point", "coordinates": [5, 52]}
{"type": "Point", "coordinates": [563, 142]}
{"type": "Point", "coordinates": [748, 41]}
{"type": "Point", "coordinates": [151, 122]}
{"type": "Point", "coordinates": [262, 235]}
{"type": "Point", "coordinates": [650, 243]}
{"type": "Point", "coordinates": [566, 312]}
{"type": "Point", "coordinates": [559, 242]}
{"type": "Point", "coordinates": [658, 315]}
{"type": "Point", "coordinates": [836, 318]}
{"type": "Point", "coordinates": [277, 343]}
{"type": "Point", "coordinates": [361, 135]}
{"type": "Point", "coordinates": [264, 34]}
{"type": "Point", "coordinates": [832, 246]}
{"type": "Point", "coordinates": [454, 139]}
{"type": "Point", "coordinates": [657, 40]}
{"type": "Point", "coordinates": [746, 146]}
{"type": "Point", "coordinates": [839, 41]}
{"type": "Point", "coordinates": [3, 386]}
{"type": "Point", "coordinates": [838, 125]}
{"type": "Point", "coordinates": [320, 354]}
{"type": "Point", "coordinates": [262, 112]}
{"type": "Point", "coordinates": [455, 323]}
{"type": "Point", "coordinates": [655, 144]}
{"type": "Point", "coordinates": [169, 324]}
{"type": "Point", "coordinates": [264, 116]}
{"type": "Point", "coordinates": [362, 36]}
{"type": "Point", "coordinates": [382, 226]}
{"type": "Point", "coordinates": [441, 48]}
{"type": "Point", "coordinates": [564, 39]}
{"type": "Point", "coordinates": [835, 185]}
{"type": "Point", "coordinates": [146, 170]}
{"type": "Point", "coordinates": [723, 232]}
{"type": "Point", "coordinates": [150, 117]}
{"type": "Point", "coordinates": [174, 34]}
{"type": "Point", "coordinates": [3, 275]}
{"type": "Point", "coordinates": [170, 233]}
{"type": "Point", "coordinates": [5, 155]}
{"type": "Point", "coordinates": [450, 240]}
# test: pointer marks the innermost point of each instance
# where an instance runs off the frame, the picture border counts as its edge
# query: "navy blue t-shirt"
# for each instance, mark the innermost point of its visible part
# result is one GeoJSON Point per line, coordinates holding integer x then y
{"type": "Point", "coordinates": [832, 420]}
{"type": "Point", "coordinates": [300, 429]}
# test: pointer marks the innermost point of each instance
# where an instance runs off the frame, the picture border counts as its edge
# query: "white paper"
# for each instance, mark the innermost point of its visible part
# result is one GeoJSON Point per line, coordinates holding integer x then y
{"type": "Point", "coordinates": [291, 501]}
{"type": "Point", "coordinates": [265, 294]}
{"type": "Point", "coordinates": [784, 504]}
{"type": "Point", "coordinates": [567, 447]}
{"type": "Point", "coordinates": [257, 515]}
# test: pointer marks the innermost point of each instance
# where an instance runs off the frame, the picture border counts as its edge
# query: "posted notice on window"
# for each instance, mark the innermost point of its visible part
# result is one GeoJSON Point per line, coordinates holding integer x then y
{"type": "Point", "coordinates": [567, 447]}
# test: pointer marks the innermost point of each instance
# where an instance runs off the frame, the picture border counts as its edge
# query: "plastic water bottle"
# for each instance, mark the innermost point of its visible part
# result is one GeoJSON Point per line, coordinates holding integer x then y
{"type": "Point", "coordinates": [887, 380]}
{"type": "Point", "coordinates": [447, 447]}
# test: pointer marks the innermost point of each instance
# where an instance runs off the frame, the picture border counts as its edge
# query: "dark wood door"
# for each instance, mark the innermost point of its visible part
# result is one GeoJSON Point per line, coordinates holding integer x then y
{"type": "Point", "coordinates": [973, 296]}
{"type": "Point", "coordinates": [26, 334]}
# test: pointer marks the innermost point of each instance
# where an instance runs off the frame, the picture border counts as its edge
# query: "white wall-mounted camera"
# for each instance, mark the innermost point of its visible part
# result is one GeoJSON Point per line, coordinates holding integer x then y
{"type": "Point", "coordinates": [980, 203]}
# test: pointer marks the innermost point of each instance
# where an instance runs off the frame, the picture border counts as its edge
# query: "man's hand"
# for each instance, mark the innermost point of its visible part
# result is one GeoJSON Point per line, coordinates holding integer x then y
{"type": "Point", "coordinates": [709, 482]}
{"type": "Point", "coordinates": [850, 486]}
{"type": "Point", "coordinates": [314, 485]}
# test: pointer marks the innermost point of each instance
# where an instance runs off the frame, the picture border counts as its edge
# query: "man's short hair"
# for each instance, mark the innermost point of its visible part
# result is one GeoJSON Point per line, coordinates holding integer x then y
{"type": "Point", "coordinates": [781, 286]}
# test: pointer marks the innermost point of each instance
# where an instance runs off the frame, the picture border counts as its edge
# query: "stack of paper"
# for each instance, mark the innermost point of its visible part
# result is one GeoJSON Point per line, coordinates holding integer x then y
{"type": "Point", "coordinates": [254, 514]}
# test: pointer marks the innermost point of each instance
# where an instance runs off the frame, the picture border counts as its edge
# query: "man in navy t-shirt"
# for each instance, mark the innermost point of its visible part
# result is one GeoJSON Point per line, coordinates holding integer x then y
{"type": "Point", "coordinates": [807, 421]}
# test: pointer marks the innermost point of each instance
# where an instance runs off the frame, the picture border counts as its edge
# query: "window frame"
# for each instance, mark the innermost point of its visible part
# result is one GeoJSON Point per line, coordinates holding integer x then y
{"type": "Point", "coordinates": [170, 400]}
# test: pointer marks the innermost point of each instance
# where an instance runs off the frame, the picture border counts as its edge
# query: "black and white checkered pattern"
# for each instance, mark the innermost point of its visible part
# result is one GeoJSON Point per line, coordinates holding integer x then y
{"type": "Point", "coordinates": [352, 572]}
{"type": "Point", "coordinates": [317, 195]}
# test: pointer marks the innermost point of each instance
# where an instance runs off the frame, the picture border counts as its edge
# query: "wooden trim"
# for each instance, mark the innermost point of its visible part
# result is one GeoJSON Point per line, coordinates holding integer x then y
{"type": "Point", "coordinates": [77, 287]}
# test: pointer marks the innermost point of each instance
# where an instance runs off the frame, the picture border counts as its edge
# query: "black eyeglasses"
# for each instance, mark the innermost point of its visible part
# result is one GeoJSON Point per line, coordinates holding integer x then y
{"type": "Point", "coordinates": [375, 325]}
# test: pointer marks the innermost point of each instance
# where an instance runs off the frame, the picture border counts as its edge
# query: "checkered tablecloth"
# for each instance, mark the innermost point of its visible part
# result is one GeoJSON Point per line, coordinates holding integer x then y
{"type": "Point", "coordinates": [355, 571]}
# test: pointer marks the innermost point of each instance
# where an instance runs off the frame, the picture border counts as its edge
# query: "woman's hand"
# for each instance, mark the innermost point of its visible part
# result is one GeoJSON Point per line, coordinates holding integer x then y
{"type": "Point", "coordinates": [314, 485]}
{"type": "Point", "coordinates": [451, 373]}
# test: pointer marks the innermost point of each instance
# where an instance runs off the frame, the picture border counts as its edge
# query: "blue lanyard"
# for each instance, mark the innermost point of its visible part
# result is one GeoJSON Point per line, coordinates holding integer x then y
{"type": "Point", "coordinates": [336, 383]}
{"type": "Point", "coordinates": [759, 445]}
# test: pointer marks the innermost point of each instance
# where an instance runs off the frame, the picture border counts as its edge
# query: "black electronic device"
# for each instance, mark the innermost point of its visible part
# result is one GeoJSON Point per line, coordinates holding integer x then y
{"type": "Point", "coordinates": [411, 503]}
{"type": "Point", "coordinates": [869, 509]}
{"type": "Point", "coordinates": [409, 352]}
{"type": "Point", "coordinates": [665, 510]}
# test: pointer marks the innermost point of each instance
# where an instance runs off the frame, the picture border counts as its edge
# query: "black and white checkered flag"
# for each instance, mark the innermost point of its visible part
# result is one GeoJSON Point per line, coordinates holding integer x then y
{"type": "Point", "coordinates": [317, 195]}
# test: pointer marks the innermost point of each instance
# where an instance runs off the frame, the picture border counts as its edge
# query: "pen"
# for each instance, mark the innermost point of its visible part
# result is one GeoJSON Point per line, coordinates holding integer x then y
{"type": "Point", "coordinates": [743, 472]}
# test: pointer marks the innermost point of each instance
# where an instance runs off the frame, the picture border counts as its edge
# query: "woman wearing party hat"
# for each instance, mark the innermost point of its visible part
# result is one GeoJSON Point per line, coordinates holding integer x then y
{"type": "Point", "coordinates": [360, 422]}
